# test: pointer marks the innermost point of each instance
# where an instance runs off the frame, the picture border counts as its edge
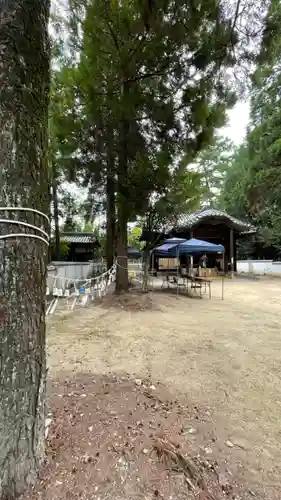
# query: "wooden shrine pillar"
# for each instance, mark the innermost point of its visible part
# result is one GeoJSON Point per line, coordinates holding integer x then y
{"type": "Point", "coordinates": [231, 252]}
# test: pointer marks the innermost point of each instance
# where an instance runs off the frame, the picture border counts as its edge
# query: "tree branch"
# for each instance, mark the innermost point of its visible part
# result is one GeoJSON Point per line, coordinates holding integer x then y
{"type": "Point", "coordinates": [144, 76]}
{"type": "Point", "coordinates": [113, 35]}
{"type": "Point", "coordinates": [236, 14]}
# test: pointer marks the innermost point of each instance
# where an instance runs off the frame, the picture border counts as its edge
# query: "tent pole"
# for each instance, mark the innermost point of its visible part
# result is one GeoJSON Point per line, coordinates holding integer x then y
{"type": "Point", "coordinates": [231, 245]}
{"type": "Point", "coordinates": [222, 282]}
{"type": "Point", "coordinates": [151, 260]}
{"type": "Point", "coordinates": [178, 254]}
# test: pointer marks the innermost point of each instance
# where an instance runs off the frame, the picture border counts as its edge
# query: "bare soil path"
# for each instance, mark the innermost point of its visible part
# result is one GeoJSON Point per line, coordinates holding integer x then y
{"type": "Point", "coordinates": [222, 357]}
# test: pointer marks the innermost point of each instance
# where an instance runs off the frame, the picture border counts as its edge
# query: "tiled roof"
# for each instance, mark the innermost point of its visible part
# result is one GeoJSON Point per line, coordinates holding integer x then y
{"type": "Point", "coordinates": [189, 221]}
{"type": "Point", "coordinates": [78, 237]}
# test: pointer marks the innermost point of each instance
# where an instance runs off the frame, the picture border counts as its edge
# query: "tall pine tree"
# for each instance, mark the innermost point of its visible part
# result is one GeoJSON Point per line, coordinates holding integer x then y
{"type": "Point", "coordinates": [149, 85]}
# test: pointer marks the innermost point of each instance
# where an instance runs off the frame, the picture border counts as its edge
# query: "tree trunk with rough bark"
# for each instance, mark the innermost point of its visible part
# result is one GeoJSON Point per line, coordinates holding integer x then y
{"type": "Point", "coordinates": [24, 95]}
{"type": "Point", "coordinates": [146, 263]}
{"type": "Point", "coordinates": [122, 280]}
{"type": "Point", "coordinates": [110, 221]}
{"type": "Point", "coordinates": [56, 212]}
{"type": "Point", "coordinates": [110, 202]}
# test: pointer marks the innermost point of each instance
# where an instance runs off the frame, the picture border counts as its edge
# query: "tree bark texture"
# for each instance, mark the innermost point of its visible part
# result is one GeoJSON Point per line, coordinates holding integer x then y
{"type": "Point", "coordinates": [110, 201]}
{"type": "Point", "coordinates": [122, 281]}
{"type": "Point", "coordinates": [24, 95]}
{"type": "Point", "coordinates": [110, 220]}
{"type": "Point", "coordinates": [56, 213]}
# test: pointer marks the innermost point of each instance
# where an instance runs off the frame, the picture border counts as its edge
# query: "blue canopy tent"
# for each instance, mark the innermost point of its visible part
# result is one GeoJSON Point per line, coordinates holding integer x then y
{"type": "Point", "coordinates": [179, 246]}
{"type": "Point", "coordinates": [174, 247]}
{"type": "Point", "coordinates": [168, 248]}
{"type": "Point", "coordinates": [199, 246]}
{"type": "Point", "coordinates": [175, 241]}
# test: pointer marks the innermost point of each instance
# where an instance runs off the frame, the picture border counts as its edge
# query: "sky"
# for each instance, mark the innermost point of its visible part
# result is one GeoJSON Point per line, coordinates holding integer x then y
{"type": "Point", "coordinates": [238, 121]}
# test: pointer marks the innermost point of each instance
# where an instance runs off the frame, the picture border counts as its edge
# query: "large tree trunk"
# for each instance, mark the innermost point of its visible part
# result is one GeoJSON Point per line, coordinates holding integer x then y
{"type": "Point", "coordinates": [24, 93]}
{"type": "Point", "coordinates": [56, 212]}
{"type": "Point", "coordinates": [122, 282]}
{"type": "Point", "coordinates": [110, 221]}
{"type": "Point", "coordinates": [146, 264]}
{"type": "Point", "coordinates": [110, 202]}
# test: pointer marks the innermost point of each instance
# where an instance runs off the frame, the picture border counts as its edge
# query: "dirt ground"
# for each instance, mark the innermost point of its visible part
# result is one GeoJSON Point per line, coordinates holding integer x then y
{"type": "Point", "coordinates": [215, 366]}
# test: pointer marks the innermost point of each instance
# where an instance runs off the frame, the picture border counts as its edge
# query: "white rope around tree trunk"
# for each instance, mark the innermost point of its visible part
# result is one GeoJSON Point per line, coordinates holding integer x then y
{"type": "Point", "coordinates": [43, 235]}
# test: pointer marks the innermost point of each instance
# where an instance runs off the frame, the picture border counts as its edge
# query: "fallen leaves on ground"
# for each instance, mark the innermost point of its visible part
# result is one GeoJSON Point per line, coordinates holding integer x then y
{"type": "Point", "coordinates": [114, 437]}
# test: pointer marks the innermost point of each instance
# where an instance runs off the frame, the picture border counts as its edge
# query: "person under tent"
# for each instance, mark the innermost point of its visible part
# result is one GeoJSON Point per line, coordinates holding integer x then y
{"type": "Point", "coordinates": [203, 261]}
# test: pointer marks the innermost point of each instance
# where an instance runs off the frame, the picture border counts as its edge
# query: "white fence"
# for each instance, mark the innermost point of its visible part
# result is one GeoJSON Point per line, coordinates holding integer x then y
{"type": "Point", "coordinates": [259, 267]}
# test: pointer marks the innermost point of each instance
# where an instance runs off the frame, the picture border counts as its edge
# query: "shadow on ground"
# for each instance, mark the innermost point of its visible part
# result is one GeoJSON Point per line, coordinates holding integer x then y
{"type": "Point", "coordinates": [123, 438]}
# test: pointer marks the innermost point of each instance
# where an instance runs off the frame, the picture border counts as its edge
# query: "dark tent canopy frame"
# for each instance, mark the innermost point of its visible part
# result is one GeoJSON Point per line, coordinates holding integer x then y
{"type": "Point", "coordinates": [174, 247]}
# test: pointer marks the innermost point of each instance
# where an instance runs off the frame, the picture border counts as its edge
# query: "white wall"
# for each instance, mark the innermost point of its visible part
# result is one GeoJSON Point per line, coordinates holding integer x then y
{"type": "Point", "coordinates": [69, 271]}
{"type": "Point", "coordinates": [259, 267]}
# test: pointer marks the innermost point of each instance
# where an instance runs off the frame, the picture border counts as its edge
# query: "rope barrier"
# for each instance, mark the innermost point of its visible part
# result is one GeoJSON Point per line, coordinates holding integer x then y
{"type": "Point", "coordinates": [104, 279]}
{"type": "Point", "coordinates": [126, 268]}
{"type": "Point", "coordinates": [90, 287]}
{"type": "Point", "coordinates": [121, 267]}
